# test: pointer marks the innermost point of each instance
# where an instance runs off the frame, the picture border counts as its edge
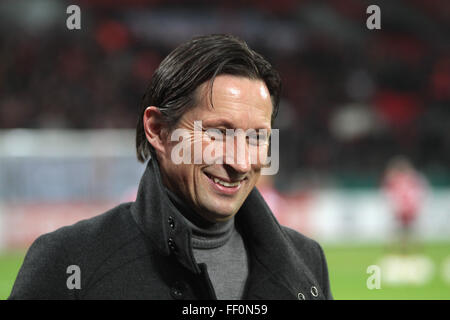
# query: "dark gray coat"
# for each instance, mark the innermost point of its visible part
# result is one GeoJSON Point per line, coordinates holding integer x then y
{"type": "Point", "coordinates": [142, 250]}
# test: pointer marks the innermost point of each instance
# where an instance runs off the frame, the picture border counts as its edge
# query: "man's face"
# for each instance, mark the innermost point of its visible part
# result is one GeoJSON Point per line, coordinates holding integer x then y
{"type": "Point", "coordinates": [217, 191]}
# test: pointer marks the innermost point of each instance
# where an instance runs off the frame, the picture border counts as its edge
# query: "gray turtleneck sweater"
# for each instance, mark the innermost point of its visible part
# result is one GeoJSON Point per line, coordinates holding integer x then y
{"type": "Point", "coordinates": [220, 246]}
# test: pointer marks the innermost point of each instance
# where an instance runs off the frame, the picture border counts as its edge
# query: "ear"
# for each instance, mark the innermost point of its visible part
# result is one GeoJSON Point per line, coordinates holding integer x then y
{"type": "Point", "coordinates": [154, 128]}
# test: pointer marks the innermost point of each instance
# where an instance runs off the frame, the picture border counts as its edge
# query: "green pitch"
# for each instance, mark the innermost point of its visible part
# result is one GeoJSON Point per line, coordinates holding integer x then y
{"type": "Point", "coordinates": [347, 267]}
{"type": "Point", "coordinates": [348, 273]}
{"type": "Point", "coordinates": [10, 263]}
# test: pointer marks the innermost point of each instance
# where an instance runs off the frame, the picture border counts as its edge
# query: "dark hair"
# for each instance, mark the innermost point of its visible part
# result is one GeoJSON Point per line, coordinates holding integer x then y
{"type": "Point", "coordinates": [173, 86]}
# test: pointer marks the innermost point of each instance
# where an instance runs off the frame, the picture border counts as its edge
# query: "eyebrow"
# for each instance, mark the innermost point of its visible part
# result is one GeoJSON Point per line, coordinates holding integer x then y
{"type": "Point", "coordinates": [225, 122]}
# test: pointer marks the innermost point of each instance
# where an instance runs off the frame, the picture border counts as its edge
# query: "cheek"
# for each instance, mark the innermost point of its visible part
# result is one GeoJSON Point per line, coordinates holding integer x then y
{"type": "Point", "coordinates": [255, 178]}
{"type": "Point", "coordinates": [181, 173]}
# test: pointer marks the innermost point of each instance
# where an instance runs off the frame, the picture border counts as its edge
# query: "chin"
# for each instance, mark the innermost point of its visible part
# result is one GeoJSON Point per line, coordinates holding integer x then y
{"type": "Point", "coordinates": [221, 213]}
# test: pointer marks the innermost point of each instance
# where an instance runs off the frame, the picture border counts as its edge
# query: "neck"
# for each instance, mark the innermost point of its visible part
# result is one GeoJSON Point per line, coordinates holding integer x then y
{"type": "Point", "coordinates": [205, 234]}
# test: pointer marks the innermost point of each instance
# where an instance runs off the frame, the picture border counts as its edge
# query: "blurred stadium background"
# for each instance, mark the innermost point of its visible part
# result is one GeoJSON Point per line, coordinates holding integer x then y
{"type": "Point", "coordinates": [353, 99]}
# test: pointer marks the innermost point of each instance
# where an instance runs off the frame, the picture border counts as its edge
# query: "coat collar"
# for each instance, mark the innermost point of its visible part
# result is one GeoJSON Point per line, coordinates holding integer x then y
{"type": "Point", "coordinates": [158, 218]}
{"type": "Point", "coordinates": [277, 271]}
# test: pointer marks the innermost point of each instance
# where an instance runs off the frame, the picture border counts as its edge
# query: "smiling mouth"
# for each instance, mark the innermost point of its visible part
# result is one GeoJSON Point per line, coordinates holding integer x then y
{"type": "Point", "coordinates": [226, 184]}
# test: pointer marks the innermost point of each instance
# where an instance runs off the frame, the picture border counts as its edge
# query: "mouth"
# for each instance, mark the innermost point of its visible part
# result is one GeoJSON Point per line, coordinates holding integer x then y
{"type": "Point", "coordinates": [225, 186]}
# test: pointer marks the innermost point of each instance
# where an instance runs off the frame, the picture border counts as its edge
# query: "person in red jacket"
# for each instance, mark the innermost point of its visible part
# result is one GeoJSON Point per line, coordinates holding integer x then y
{"type": "Point", "coordinates": [405, 188]}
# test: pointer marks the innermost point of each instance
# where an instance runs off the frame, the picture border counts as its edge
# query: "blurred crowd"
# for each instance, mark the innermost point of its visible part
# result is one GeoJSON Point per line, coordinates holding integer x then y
{"type": "Point", "coordinates": [352, 97]}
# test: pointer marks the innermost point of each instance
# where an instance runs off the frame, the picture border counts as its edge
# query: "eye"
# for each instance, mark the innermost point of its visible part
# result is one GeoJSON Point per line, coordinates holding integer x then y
{"type": "Point", "coordinates": [215, 133]}
{"type": "Point", "coordinates": [258, 139]}
{"type": "Point", "coordinates": [252, 139]}
{"type": "Point", "coordinates": [264, 138]}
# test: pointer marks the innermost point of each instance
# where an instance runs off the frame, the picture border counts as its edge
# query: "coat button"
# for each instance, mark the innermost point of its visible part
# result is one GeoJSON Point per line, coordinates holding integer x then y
{"type": "Point", "coordinates": [301, 296]}
{"type": "Point", "coordinates": [314, 291]}
{"type": "Point", "coordinates": [177, 290]}
{"type": "Point", "coordinates": [172, 245]}
{"type": "Point", "coordinates": [171, 222]}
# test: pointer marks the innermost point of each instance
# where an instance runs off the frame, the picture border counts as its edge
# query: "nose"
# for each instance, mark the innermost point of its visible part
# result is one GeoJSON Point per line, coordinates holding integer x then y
{"type": "Point", "coordinates": [237, 155]}
{"type": "Point", "coordinates": [240, 168]}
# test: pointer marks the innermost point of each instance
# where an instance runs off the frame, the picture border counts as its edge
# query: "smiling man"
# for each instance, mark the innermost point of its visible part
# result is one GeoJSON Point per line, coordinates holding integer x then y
{"type": "Point", "coordinates": [198, 229]}
{"type": "Point", "coordinates": [216, 191]}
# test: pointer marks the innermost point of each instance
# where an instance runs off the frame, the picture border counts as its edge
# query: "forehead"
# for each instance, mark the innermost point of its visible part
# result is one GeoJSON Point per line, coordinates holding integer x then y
{"type": "Point", "coordinates": [240, 101]}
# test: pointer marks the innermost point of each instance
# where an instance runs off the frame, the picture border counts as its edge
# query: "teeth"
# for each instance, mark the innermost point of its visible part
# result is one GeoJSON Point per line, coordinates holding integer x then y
{"type": "Point", "coordinates": [226, 184]}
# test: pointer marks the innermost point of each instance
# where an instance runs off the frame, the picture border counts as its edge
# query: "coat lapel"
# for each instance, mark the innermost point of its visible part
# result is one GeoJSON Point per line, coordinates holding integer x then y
{"type": "Point", "coordinates": [277, 270]}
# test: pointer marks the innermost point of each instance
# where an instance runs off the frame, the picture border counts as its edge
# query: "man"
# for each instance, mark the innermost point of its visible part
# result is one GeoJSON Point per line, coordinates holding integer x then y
{"type": "Point", "coordinates": [198, 229]}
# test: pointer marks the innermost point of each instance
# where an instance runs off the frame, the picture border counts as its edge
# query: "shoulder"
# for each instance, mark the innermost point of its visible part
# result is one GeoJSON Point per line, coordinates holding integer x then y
{"type": "Point", "coordinates": [93, 236]}
{"type": "Point", "coordinates": [102, 242]}
{"type": "Point", "coordinates": [110, 228]}
{"type": "Point", "coordinates": [313, 256]}
{"type": "Point", "coordinates": [86, 244]}
{"type": "Point", "coordinates": [310, 248]}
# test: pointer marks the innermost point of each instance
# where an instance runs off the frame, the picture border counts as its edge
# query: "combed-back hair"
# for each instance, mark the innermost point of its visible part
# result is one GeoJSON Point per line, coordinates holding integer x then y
{"type": "Point", "coordinates": [173, 86]}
